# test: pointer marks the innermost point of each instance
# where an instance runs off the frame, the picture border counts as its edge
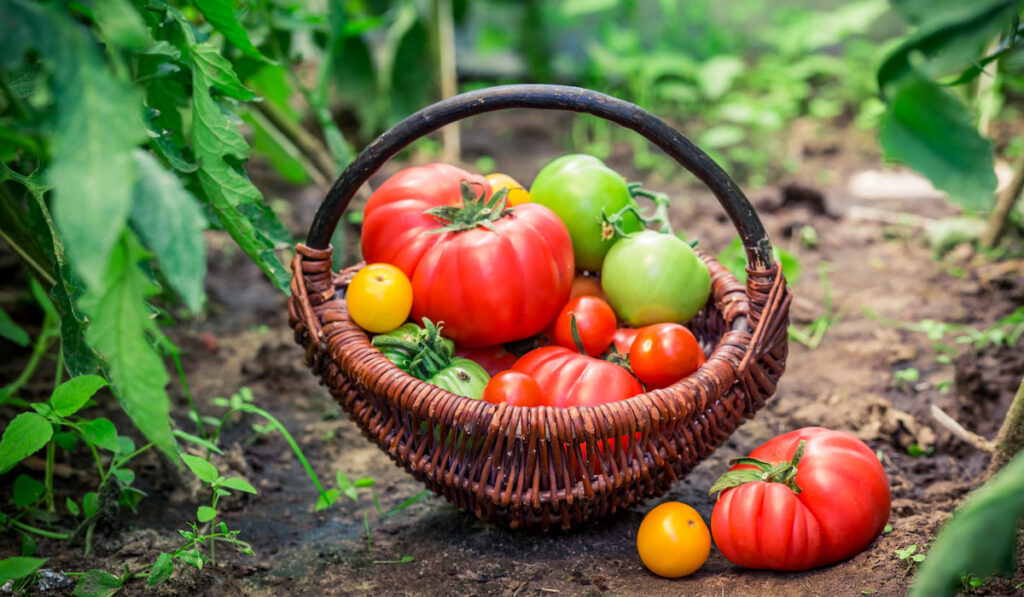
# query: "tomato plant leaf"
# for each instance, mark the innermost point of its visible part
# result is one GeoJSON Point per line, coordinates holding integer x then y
{"type": "Point", "coordinates": [217, 72]}
{"type": "Point", "coordinates": [164, 143]}
{"type": "Point", "coordinates": [205, 514]}
{"type": "Point", "coordinates": [119, 326]}
{"type": "Point", "coordinates": [170, 222]}
{"type": "Point", "coordinates": [71, 395]}
{"type": "Point", "coordinates": [221, 15]}
{"type": "Point", "coordinates": [202, 469]}
{"type": "Point", "coordinates": [27, 491]}
{"type": "Point", "coordinates": [98, 121]}
{"type": "Point", "coordinates": [120, 24]}
{"type": "Point", "coordinates": [12, 331]}
{"type": "Point", "coordinates": [980, 537]}
{"type": "Point", "coordinates": [161, 570]}
{"type": "Point", "coordinates": [950, 34]}
{"type": "Point", "coordinates": [72, 506]}
{"type": "Point", "coordinates": [928, 129]}
{"type": "Point", "coordinates": [25, 434]}
{"type": "Point", "coordinates": [90, 503]}
{"type": "Point", "coordinates": [18, 567]}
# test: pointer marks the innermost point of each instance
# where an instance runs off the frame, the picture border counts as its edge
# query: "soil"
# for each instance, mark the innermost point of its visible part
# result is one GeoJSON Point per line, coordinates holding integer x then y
{"type": "Point", "coordinates": [881, 279]}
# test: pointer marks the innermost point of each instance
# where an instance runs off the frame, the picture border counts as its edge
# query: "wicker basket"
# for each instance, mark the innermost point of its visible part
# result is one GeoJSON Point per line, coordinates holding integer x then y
{"type": "Point", "coordinates": [542, 466]}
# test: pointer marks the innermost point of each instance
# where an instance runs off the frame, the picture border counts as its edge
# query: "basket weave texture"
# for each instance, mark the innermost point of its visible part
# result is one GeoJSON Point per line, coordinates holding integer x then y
{"type": "Point", "coordinates": [545, 466]}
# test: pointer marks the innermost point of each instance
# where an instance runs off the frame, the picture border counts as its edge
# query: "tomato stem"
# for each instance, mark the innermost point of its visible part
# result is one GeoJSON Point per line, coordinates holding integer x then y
{"type": "Point", "coordinates": [611, 224]}
{"type": "Point", "coordinates": [782, 472]}
{"type": "Point", "coordinates": [476, 210]}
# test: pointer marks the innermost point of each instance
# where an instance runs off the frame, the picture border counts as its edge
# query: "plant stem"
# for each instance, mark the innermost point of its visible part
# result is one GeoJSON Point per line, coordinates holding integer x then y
{"type": "Point", "coordinates": [51, 446]}
{"type": "Point", "coordinates": [289, 133]}
{"type": "Point", "coordinates": [1010, 439]}
{"type": "Point", "coordinates": [40, 532]}
{"type": "Point", "coordinates": [188, 395]}
{"type": "Point", "coordinates": [291, 442]}
{"type": "Point", "coordinates": [1004, 205]}
{"type": "Point", "coordinates": [38, 350]}
{"type": "Point", "coordinates": [444, 27]}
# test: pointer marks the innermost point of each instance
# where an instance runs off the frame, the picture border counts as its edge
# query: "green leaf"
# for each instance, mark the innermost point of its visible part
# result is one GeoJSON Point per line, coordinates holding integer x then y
{"type": "Point", "coordinates": [170, 222]}
{"type": "Point", "coordinates": [66, 441]}
{"type": "Point", "coordinates": [951, 34]}
{"type": "Point", "coordinates": [164, 143]}
{"type": "Point", "coordinates": [980, 537]}
{"type": "Point", "coordinates": [238, 484]}
{"type": "Point", "coordinates": [72, 507]}
{"type": "Point", "coordinates": [326, 499]}
{"type": "Point", "coordinates": [125, 475]}
{"type": "Point", "coordinates": [221, 15]}
{"type": "Point", "coordinates": [101, 433]}
{"type": "Point", "coordinates": [178, 433]}
{"type": "Point", "coordinates": [120, 24]}
{"type": "Point", "coordinates": [161, 570]}
{"type": "Point", "coordinates": [18, 567]}
{"type": "Point", "coordinates": [718, 73]}
{"type": "Point", "coordinates": [25, 434]}
{"type": "Point", "coordinates": [346, 487]}
{"type": "Point", "coordinates": [27, 491]}
{"type": "Point", "coordinates": [120, 323]}
{"type": "Point", "coordinates": [928, 129]}
{"type": "Point", "coordinates": [202, 469]}
{"type": "Point", "coordinates": [97, 124]}
{"type": "Point", "coordinates": [125, 445]}
{"type": "Point", "coordinates": [12, 331]}
{"type": "Point", "coordinates": [228, 190]}
{"type": "Point", "coordinates": [28, 545]}
{"type": "Point", "coordinates": [72, 395]}
{"type": "Point", "coordinates": [90, 503]}
{"type": "Point", "coordinates": [97, 583]}
{"type": "Point", "coordinates": [205, 514]}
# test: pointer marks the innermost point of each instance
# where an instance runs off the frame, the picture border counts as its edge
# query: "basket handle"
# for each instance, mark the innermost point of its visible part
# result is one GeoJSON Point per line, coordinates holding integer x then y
{"type": "Point", "coordinates": [546, 97]}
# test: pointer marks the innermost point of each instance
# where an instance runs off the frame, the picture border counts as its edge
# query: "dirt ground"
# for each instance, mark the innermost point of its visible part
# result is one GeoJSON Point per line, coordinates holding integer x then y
{"type": "Point", "coordinates": [878, 262]}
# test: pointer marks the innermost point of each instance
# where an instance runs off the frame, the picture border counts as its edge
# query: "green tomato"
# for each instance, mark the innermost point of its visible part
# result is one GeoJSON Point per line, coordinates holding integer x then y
{"type": "Point", "coordinates": [463, 377]}
{"type": "Point", "coordinates": [651, 277]}
{"type": "Point", "coordinates": [577, 187]}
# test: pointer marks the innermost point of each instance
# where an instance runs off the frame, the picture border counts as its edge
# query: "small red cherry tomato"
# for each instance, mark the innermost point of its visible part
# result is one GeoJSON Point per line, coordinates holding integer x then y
{"type": "Point", "coordinates": [513, 387]}
{"type": "Point", "coordinates": [595, 321]}
{"type": "Point", "coordinates": [664, 353]}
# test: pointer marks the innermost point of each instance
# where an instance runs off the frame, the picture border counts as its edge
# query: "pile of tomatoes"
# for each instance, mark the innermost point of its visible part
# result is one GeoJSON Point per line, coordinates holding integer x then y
{"type": "Point", "coordinates": [559, 292]}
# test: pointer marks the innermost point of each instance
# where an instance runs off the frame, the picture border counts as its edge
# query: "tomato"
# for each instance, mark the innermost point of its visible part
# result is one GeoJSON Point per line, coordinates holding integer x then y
{"type": "Point", "coordinates": [395, 222]}
{"type": "Point", "coordinates": [490, 275]}
{"type": "Point", "coordinates": [651, 277]}
{"type": "Point", "coordinates": [514, 387]}
{"type": "Point", "coordinates": [673, 540]}
{"type": "Point", "coordinates": [664, 353]}
{"type": "Point", "coordinates": [379, 297]}
{"type": "Point", "coordinates": [568, 378]}
{"type": "Point", "coordinates": [623, 339]}
{"type": "Point", "coordinates": [461, 376]}
{"type": "Point", "coordinates": [587, 286]}
{"type": "Point", "coordinates": [517, 194]}
{"type": "Point", "coordinates": [578, 187]}
{"type": "Point", "coordinates": [595, 323]}
{"type": "Point", "coordinates": [492, 358]}
{"type": "Point", "coordinates": [841, 507]}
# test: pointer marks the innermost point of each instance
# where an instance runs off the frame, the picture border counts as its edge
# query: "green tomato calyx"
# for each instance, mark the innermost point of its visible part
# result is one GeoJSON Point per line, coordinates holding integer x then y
{"type": "Point", "coordinates": [782, 472]}
{"type": "Point", "coordinates": [612, 225]}
{"type": "Point", "coordinates": [476, 210]}
{"type": "Point", "coordinates": [424, 351]}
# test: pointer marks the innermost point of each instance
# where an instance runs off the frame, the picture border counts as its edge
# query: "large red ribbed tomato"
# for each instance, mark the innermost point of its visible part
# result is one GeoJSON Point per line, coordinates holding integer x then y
{"type": "Point", "coordinates": [568, 378]}
{"type": "Point", "coordinates": [841, 507]}
{"type": "Point", "coordinates": [491, 273]}
{"type": "Point", "coordinates": [395, 222]}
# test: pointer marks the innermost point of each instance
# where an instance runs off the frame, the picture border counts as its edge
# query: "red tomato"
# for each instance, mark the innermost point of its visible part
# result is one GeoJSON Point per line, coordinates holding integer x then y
{"type": "Point", "coordinates": [490, 282]}
{"type": "Point", "coordinates": [568, 378]}
{"type": "Point", "coordinates": [492, 358]}
{"type": "Point", "coordinates": [395, 224]}
{"type": "Point", "coordinates": [514, 387]}
{"type": "Point", "coordinates": [842, 507]}
{"type": "Point", "coordinates": [595, 322]}
{"type": "Point", "coordinates": [623, 339]}
{"type": "Point", "coordinates": [664, 353]}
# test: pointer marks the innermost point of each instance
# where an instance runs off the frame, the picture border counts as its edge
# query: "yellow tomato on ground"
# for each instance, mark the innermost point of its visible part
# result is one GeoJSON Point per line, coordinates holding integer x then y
{"type": "Point", "coordinates": [379, 298]}
{"type": "Point", "coordinates": [673, 540]}
{"type": "Point", "coordinates": [516, 193]}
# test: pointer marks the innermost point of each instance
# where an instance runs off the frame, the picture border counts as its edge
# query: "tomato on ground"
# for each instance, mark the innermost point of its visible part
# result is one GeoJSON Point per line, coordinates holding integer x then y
{"type": "Point", "coordinates": [673, 540]}
{"type": "Point", "coordinates": [842, 504]}
{"type": "Point", "coordinates": [379, 297]}
{"type": "Point", "coordinates": [663, 353]}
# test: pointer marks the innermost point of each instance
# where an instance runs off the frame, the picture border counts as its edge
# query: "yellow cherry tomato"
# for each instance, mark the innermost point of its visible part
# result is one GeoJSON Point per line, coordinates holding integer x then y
{"type": "Point", "coordinates": [379, 298]}
{"type": "Point", "coordinates": [516, 193]}
{"type": "Point", "coordinates": [673, 540]}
